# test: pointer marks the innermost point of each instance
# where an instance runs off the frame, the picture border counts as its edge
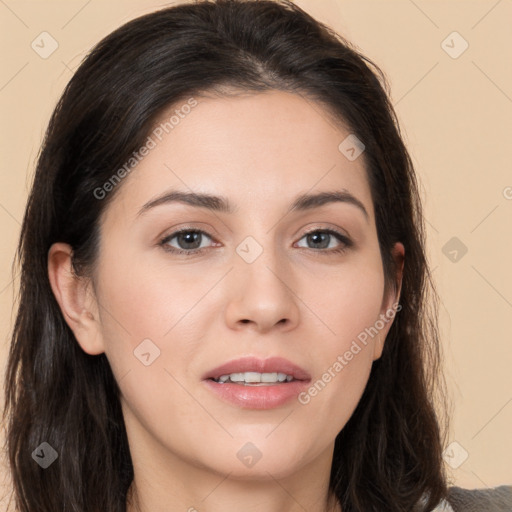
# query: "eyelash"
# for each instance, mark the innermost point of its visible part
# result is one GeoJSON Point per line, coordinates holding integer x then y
{"type": "Point", "coordinates": [347, 243]}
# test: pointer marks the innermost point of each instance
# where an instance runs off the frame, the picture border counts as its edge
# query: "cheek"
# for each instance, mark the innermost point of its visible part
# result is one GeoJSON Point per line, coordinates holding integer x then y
{"type": "Point", "coordinates": [143, 309]}
{"type": "Point", "coordinates": [148, 319]}
{"type": "Point", "coordinates": [148, 299]}
{"type": "Point", "coordinates": [345, 301]}
{"type": "Point", "coordinates": [348, 311]}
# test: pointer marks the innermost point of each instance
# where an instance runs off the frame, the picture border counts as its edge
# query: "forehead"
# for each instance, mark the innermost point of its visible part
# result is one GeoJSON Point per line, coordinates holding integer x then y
{"type": "Point", "coordinates": [259, 149]}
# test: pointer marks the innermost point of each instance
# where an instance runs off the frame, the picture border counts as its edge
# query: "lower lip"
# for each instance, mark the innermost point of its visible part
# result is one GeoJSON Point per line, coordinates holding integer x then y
{"type": "Point", "coordinates": [257, 397]}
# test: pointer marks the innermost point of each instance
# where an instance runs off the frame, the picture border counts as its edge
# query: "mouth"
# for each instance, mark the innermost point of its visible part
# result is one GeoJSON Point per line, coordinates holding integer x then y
{"type": "Point", "coordinates": [251, 371]}
{"type": "Point", "coordinates": [252, 383]}
{"type": "Point", "coordinates": [254, 378]}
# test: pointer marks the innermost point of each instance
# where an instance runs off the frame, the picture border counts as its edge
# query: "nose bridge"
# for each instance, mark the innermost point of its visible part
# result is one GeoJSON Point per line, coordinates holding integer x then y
{"type": "Point", "coordinates": [262, 265]}
{"type": "Point", "coordinates": [262, 284]}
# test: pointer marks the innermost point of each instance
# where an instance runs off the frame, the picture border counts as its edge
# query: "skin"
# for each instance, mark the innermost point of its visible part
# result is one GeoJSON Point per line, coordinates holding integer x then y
{"type": "Point", "coordinates": [295, 300]}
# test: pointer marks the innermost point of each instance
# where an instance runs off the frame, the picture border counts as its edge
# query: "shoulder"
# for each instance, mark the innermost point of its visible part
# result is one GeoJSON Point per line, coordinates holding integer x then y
{"type": "Point", "coordinates": [496, 499]}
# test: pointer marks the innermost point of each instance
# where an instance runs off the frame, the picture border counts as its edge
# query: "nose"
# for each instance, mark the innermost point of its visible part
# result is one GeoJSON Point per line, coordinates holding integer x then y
{"type": "Point", "coordinates": [261, 295]}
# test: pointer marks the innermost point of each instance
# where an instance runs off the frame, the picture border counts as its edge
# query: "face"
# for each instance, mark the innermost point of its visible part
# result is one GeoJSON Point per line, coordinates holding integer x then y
{"type": "Point", "coordinates": [291, 287]}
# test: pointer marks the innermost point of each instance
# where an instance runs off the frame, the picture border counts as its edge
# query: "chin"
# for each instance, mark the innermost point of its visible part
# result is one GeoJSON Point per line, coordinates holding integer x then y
{"type": "Point", "coordinates": [260, 471]}
{"type": "Point", "coordinates": [249, 462]}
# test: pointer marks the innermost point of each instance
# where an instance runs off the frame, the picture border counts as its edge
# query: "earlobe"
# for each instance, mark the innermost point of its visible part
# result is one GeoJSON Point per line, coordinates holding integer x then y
{"type": "Point", "coordinates": [75, 298]}
{"type": "Point", "coordinates": [378, 346]}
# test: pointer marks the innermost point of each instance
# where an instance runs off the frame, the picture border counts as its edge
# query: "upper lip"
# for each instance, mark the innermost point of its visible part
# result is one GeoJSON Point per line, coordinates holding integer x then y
{"type": "Point", "coordinates": [253, 364]}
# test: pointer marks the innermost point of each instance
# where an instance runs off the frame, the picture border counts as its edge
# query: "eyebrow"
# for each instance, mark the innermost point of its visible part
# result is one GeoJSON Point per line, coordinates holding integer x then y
{"type": "Point", "coordinates": [221, 204]}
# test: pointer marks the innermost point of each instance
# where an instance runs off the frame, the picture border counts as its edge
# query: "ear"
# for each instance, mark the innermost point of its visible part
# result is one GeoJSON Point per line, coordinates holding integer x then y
{"type": "Point", "coordinates": [76, 298]}
{"type": "Point", "coordinates": [390, 306]}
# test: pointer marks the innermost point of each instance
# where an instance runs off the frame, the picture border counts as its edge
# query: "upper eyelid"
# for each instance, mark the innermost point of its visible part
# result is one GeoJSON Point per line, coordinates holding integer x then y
{"type": "Point", "coordinates": [187, 230]}
{"type": "Point", "coordinates": [347, 238]}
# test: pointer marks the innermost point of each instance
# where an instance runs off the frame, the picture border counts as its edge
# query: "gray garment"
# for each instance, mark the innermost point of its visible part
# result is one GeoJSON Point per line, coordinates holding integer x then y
{"type": "Point", "coordinates": [497, 499]}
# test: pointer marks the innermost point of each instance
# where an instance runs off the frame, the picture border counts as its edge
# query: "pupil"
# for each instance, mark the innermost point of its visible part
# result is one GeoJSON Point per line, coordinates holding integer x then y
{"type": "Point", "coordinates": [190, 237]}
{"type": "Point", "coordinates": [316, 238]}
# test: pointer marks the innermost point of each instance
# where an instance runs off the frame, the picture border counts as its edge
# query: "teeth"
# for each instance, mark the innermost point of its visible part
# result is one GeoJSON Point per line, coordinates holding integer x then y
{"type": "Point", "coordinates": [255, 377]}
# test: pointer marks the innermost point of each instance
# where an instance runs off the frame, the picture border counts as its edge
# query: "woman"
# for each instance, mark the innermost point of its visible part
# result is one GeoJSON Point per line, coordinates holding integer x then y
{"type": "Point", "coordinates": [224, 290]}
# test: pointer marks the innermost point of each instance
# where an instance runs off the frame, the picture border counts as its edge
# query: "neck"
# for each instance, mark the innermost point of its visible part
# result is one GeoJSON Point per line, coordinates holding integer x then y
{"type": "Point", "coordinates": [196, 489]}
{"type": "Point", "coordinates": [136, 503]}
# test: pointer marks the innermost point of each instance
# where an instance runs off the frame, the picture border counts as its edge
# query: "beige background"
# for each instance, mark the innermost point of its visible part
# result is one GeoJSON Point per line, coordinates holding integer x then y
{"type": "Point", "coordinates": [456, 116]}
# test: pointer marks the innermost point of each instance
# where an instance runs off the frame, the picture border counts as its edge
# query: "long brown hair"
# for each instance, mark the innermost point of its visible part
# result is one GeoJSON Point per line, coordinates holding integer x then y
{"type": "Point", "coordinates": [388, 457]}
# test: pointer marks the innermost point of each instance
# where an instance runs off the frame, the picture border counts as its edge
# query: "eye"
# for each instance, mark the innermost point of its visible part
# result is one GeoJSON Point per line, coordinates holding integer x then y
{"type": "Point", "coordinates": [189, 241]}
{"type": "Point", "coordinates": [323, 239]}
